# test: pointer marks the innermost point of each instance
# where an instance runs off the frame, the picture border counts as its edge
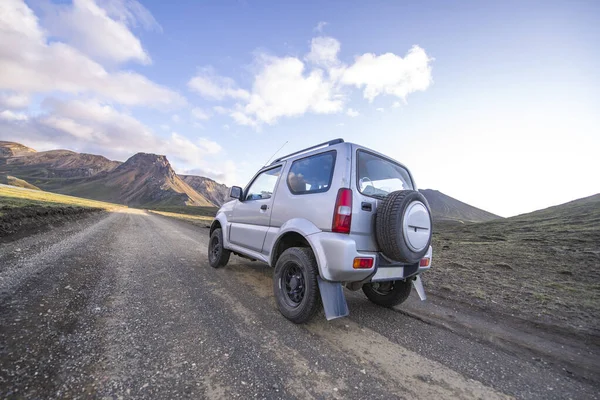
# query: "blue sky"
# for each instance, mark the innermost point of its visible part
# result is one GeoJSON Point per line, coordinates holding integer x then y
{"type": "Point", "coordinates": [493, 103]}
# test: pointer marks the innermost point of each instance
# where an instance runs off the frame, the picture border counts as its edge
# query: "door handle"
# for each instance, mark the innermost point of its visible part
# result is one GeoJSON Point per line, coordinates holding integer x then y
{"type": "Point", "coordinates": [264, 207]}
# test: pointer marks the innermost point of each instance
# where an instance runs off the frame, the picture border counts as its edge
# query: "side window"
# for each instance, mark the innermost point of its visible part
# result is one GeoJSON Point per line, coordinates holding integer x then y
{"type": "Point", "coordinates": [264, 185]}
{"type": "Point", "coordinates": [312, 174]}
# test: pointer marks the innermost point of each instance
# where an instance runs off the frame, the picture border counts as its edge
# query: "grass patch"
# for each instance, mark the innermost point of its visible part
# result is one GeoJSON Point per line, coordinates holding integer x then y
{"type": "Point", "coordinates": [15, 197]}
{"type": "Point", "coordinates": [185, 210]}
{"type": "Point", "coordinates": [541, 267]}
{"type": "Point", "coordinates": [479, 293]}
{"type": "Point", "coordinates": [200, 220]}
{"type": "Point", "coordinates": [12, 181]}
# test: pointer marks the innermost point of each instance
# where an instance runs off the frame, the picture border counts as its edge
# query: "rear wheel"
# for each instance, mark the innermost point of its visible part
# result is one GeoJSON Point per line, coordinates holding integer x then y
{"type": "Point", "coordinates": [218, 256]}
{"type": "Point", "coordinates": [295, 284]}
{"type": "Point", "coordinates": [387, 294]}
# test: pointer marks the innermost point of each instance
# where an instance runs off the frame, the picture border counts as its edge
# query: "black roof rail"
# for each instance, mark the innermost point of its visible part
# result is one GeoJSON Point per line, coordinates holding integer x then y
{"type": "Point", "coordinates": [329, 143]}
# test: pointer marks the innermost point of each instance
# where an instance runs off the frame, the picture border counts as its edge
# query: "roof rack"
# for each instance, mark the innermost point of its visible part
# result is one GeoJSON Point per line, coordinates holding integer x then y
{"type": "Point", "coordinates": [329, 143]}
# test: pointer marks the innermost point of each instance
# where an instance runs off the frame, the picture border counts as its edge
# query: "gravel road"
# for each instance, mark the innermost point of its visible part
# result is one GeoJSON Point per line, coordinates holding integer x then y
{"type": "Point", "coordinates": [125, 305]}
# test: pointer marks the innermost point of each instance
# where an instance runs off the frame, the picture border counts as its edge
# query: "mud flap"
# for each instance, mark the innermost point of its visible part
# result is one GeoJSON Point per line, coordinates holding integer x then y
{"type": "Point", "coordinates": [418, 284]}
{"type": "Point", "coordinates": [334, 301]}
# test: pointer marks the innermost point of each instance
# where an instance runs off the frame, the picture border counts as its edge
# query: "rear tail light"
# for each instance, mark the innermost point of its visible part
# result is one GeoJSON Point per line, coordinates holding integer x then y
{"type": "Point", "coordinates": [424, 262]}
{"type": "Point", "coordinates": [342, 214]}
{"type": "Point", "coordinates": [360, 263]}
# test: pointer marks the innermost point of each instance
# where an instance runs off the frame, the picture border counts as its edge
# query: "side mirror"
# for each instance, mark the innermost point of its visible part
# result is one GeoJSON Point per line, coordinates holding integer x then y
{"type": "Point", "coordinates": [236, 192]}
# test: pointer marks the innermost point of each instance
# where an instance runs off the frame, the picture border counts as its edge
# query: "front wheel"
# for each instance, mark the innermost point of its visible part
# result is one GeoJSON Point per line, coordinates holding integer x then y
{"type": "Point", "coordinates": [295, 284]}
{"type": "Point", "coordinates": [218, 256]}
{"type": "Point", "coordinates": [387, 294]}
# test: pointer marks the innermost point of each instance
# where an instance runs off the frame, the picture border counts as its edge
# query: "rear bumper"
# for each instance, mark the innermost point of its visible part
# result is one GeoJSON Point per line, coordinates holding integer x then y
{"type": "Point", "coordinates": [335, 255]}
{"type": "Point", "coordinates": [387, 270]}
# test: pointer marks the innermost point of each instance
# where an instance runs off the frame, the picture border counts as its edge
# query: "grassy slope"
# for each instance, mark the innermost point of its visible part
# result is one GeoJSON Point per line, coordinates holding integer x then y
{"type": "Point", "coordinates": [201, 216]}
{"type": "Point", "coordinates": [12, 181]}
{"type": "Point", "coordinates": [24, 212]}
{"type": "Point", "coordinates": [186, 210]}
{"type": "Point", "coordinates": [201, 220]}
{"type": "Point", "coordinates": [17, 197]}
{"type": "Point", "coordinates": [543, 266]}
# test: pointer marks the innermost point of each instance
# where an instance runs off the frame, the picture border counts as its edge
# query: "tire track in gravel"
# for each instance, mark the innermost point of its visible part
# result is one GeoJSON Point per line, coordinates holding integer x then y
{"type": "Point", "coordinates": [400, 371]}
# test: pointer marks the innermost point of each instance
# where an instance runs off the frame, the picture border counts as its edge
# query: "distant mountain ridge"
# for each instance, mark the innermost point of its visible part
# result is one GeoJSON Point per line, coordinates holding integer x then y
{"type": "Point", "coordinates": [144, 179]}
{"type": "Point", "coordinates": [213, 191]}
{"type": "Point", "coordinates": [12, 149]}
{"type": "Point", "coordinates": [60, 164]}
{"type": "Point", "coordinates": [149, 180]}
{"type": "Point", "coordinates": [446, 208]}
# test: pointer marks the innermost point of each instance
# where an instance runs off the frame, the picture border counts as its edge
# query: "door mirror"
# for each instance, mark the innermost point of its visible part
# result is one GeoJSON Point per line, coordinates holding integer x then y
{"type": "Point", "coordinates": [236, 192]}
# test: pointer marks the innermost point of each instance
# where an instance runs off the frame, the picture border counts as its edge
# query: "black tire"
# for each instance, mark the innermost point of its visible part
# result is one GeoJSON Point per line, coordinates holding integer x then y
{"type": "Point", "coordinates": [387, 294]}
{"type": "Point", "coordinates": [299, 299]}
{"type": "Point", "coordinates": [388, 226]}
{"type": "Point", "coordinates": [217, 255]}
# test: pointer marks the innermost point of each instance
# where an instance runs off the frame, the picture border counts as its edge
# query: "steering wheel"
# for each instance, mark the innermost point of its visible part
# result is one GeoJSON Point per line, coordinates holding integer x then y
{"type": "Point", "coordinates": [364, 182]}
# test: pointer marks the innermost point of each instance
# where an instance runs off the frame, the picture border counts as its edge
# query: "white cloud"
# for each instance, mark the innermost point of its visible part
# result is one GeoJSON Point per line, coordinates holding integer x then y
{"type": "Point", "coordinates": [320, 26]}
{"type": "Point", "coordinates": [131, 13]}
{"type": "Point", "coordinates": [31, 63]}
{"type": "Point", "coordinates": [220, 110]}
{"type": "Point", "coordinates": [340, 124]}
{"type": "Point", "coordinates": [289, 87]}
{"type": "Point", "coordinates": [209, 146]}
{"type": "Point", "coordinates": [186, 151]}
{"type": "Point", "coordinates": [282, 88]}
{"type": "Point", "coordinates": [380, 109]}
{"type": "Point", "coordinates": [390, 74]}
{"type": "Point", "coordinates": [200, 114]}
{"type": "Point", "coordinates": [75, 129]}
{"type": "Point", "coordinates": [176, 118]}
{"type": "Point", "coordinates": [90, 28]}
{"type": "Point", "coordinates": [227, 174]}
{"type": "Point", "coordinates": [243, 119]}
{"type": "Point", "coordinates": [396, 104]}
{"type": "Point", "coordinates": [165, 127]}
{"type": "Point", "coordinates": [14, 100]}
{"type": "Point", "coordinates": [212, 86]}
{"type": "Point", "coordinates": [324, 51]}
{"type": "Point", "coordinates": [352, 113]}
{"type": "Point", "coordinates": [8, 115]}
{"type": "Point", "coordinates": [96, 124]}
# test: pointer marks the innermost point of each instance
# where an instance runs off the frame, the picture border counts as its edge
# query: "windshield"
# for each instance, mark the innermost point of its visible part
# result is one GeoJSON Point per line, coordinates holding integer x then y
{"type": "Point", "coordinates": [378, 176]}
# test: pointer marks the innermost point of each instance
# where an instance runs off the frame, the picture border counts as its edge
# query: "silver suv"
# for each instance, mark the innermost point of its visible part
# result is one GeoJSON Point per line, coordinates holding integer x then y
{"type": "Point", "coordinates": [330, 216]}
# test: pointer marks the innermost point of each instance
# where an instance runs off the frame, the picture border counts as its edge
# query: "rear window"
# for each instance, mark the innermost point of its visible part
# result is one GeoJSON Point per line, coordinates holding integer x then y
{"type": "Point", "coordinates": [377, 176]}
{"type": "Point", "coordinates": [312, 174]}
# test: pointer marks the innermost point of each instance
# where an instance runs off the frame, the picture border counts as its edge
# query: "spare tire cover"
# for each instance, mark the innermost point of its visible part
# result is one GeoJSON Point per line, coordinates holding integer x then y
{"type": "Point", "coordinates": [403, 226]}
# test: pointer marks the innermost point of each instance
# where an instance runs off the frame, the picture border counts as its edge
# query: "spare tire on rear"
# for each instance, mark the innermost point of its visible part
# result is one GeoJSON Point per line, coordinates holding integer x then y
{"type": "Point", "coordinates": [403, 226]}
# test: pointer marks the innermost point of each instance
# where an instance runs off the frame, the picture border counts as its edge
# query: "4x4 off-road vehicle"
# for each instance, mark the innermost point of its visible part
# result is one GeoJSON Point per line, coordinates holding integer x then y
{"type": "Point", "coordinates": [330, 216]}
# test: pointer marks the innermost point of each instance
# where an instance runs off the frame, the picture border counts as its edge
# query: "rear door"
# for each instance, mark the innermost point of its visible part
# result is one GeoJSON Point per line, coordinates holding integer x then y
{"type": "Point", "coordinates": [375, 177]}
{"type": "Point", "coordinates": [251, 217]}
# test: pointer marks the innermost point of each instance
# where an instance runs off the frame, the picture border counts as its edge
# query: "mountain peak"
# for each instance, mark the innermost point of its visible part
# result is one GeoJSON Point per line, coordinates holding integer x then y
{"type": "Point", "coordinates": [148, 163]}
{"type": "Point", "coordinates": [148, 159]}
{"type": "Point", "coordinates": [13, 149]}
{"type": "Point", "coordinates": [444, 207]}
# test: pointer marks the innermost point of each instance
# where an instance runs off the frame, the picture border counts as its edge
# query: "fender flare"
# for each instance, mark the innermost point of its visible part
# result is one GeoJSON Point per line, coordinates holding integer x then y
{"type": "Point", "coordinates": [302, 227]}
{"type": "Point", "coordinates": [221, 219]}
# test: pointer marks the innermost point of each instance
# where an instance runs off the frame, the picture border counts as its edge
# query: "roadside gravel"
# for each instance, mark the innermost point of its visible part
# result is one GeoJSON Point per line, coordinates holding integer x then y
{"type": "Point", "coordinates": [125, 305]}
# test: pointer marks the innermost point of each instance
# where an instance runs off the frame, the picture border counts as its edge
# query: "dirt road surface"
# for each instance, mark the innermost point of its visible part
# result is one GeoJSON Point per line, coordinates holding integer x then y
{"type": "Point", "coordinates": [125, 305]}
